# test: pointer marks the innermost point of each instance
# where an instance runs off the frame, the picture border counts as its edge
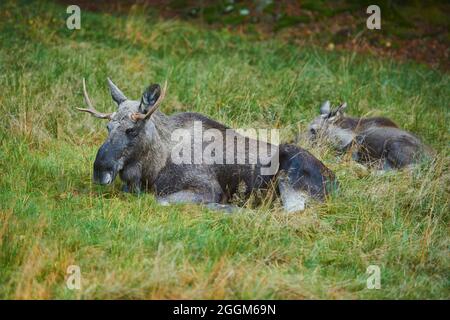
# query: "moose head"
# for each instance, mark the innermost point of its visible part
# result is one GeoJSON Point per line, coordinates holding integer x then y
{"type": "Point", "coordinates": [130, 129]}
{"type": "Point", "coordinates": [328, 125]}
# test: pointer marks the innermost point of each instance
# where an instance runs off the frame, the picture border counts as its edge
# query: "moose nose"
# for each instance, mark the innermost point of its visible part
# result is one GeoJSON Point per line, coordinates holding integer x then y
{"type": "Point", "coordinates": [105, 164]}
{"type": "Point", "coordinates": [107, 178]}
{"type": "Point", "coordinates": [103, 177]}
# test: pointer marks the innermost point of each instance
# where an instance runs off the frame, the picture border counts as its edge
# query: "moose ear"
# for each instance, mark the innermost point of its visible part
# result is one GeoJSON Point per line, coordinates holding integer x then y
{"type": "Point", "coordinates": [325, 108]}
{"type": "Point", "coordinates": [116, 94]}
{"type": "Point", "coordinates": [149, 97]}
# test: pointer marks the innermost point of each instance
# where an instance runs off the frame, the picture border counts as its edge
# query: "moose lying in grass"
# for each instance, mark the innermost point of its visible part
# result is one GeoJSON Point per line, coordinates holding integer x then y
{"type": "Point", "coordinates": [139, 148]}
{"type": "Point", "coordinates": [375, 140]}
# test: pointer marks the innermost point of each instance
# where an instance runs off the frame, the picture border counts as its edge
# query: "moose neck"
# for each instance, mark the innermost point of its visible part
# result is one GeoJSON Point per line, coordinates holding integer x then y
{"type": "Point", "coordinates": [156, 149]}
{"type": "Point", "coordinates": [343, 131]}
{"type": "Point", "coordinates": [344, 137]}
{"type": "Point", "coordinates": [163, 127]}
{"type": "Point", "coordinates": [348, 123]}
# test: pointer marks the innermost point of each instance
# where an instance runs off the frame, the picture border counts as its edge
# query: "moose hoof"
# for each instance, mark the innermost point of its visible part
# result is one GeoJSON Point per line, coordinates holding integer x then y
{"type": "Point", "coordinates": [294, 202]}
{"type": "Point", "coordinates": [163, 202]}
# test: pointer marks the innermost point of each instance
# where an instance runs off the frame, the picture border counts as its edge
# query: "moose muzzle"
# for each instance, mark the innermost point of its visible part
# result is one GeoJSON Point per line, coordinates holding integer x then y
{"type": "Point", "coordinates": [106, 164]}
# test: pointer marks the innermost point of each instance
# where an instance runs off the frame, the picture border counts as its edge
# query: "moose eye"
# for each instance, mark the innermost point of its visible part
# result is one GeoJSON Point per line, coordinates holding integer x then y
{"type": "Point", "coordinates": [131, 132]}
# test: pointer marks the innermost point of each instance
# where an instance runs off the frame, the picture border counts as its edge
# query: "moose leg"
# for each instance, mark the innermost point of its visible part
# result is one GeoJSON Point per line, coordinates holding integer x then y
{"type": "Point", "coordinates": [188, 196]}
{"type": "Point", "coordinates": [293, 200]}
{"type": "Point", "coordinates": [201, 188]}
{"type": "Point", "coordinates": [301, 177]}
{"type": "Point", "coordinates": [184, 196]}
{"type": "Point", "coordinates": [227, 208]}
{"type": "Point", "coordinates": [387, 166]}
{"type": "Point", "coordinates": [131, 175]}
{"type": "Point", "coordinates": [400, 155]}
{"type": "Point", "coordinates": [131, 188]}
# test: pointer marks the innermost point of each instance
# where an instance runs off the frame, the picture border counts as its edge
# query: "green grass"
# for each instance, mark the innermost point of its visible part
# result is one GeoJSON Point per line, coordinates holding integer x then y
{"type": "Point", "coordinates": [127, 246]}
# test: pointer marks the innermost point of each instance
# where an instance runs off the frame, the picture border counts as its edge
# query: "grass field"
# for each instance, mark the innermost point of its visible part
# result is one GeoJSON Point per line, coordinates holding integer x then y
{"type": "Point", "coordinates": [127, 246]}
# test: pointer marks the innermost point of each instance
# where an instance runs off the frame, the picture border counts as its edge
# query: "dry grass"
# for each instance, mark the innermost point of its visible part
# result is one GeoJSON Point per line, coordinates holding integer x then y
{"type": "Point", "coordinates": [52, 216]}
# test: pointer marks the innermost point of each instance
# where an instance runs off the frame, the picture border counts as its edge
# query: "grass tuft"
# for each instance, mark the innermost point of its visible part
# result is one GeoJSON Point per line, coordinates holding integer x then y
{"type": "Point", "coordinates": [127, 246]}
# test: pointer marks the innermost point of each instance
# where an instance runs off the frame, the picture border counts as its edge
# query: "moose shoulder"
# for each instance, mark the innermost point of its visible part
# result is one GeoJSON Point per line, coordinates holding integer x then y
{"type": "Point", "coordinates": [140, 149]}
{"type": "Point", "coordinates": [375, 140]}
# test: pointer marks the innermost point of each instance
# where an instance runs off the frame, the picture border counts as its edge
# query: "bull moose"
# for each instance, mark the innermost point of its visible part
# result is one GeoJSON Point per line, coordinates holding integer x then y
{"type": "Point", "coordinates": [375, 141]}
{"type": "Point", "coordinates": [139, 148]}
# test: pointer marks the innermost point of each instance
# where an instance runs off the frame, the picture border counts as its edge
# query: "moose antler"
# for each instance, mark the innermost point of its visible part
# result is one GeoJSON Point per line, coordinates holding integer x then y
{"type": "Point", "coordinates": [142, 116]}
{"type": "Point", "coordinates": [336, 110]}
{"type": "Point", "coordinates": [90, 108]}
{"type": "Point", "coordinates": [341, 107]}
